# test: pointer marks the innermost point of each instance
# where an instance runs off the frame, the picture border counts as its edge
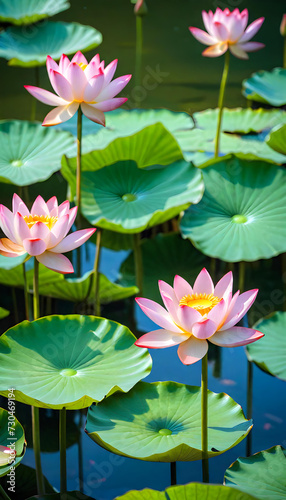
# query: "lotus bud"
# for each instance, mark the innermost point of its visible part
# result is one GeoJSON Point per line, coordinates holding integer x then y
{"type": "Point", "coordinates": [140, 8]}
{"type": "Point", "coordinates": [283, 25]}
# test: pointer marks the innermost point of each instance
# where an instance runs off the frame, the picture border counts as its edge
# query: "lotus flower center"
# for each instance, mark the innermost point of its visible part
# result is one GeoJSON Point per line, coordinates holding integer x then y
{"type": "Point", "coordinates": [46, 219]}
{"type": "Point", "coordinates": [202, 302]}
{"type": "Point", "coordinates": [82, 66]}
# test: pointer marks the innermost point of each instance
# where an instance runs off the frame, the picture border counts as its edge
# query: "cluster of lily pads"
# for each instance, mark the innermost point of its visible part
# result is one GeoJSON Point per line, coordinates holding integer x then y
{"type": "Point", "coordinates": [153, 186]}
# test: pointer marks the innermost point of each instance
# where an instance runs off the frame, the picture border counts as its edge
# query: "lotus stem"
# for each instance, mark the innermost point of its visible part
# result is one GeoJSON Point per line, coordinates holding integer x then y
{"type": "Point", "coordinates": [35, 411]}
{"type": "Point", "coordinates": [78, 163]}
{"type": "Point", "coordinates": [96, 273]}
{"type": "Point", "coordinates": [34, 103]}
{"type": "Point", "coordinates": [138, 261]}
{"type": "Point", "coordinates": [37, 449]}
{"type": "Point", "coordinates": [80, 458]}
{"type": "Point", "coordinates": [204, 419]}
{"type": "Point", "coordinates": [173, 473]}
{"type": "Point", "coordinates": [249, 404]}
{"type": "Point", "coordinates": [3, 494]}
{"type": "Point", "coordinates": [26, 294]}
{"type": "Point", "coordinates": [241, 276]}
{"type": "Point", "coordinates": [220, 101]}
{"type": "Point", "coordinates": [63, 446]}
{"type": "Point", "coordinates": [15, 305]}
{"type": "Point", "coordinates": [138, 56]}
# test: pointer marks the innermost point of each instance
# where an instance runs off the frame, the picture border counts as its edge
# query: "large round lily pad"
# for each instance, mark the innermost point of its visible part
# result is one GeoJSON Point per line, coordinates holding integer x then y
{"type": "Point", "coordinates": [163, 257]}
{"type": "Point", "coordinates": [29, 152]}
{"type": "Point", "coordinates": [242, 213]}
{"type": "Point", "coordinates": [11, 433]}
{"type": "Point", "coordinates": [267, 86]}
{"type": "Point", "coordinates": [262, 475]}
{"type": "Point", "coordinates": [154, 145]}
{"type": "Point", "coordinates": [277, 139]}
{"type": "Point", "coordinates": [127, 199]}
{"type": "Point", "coordinates": [192, 491]}
{"type": "Point", "coordinates": [239, 120]}
{"type": "Point", "coordinates": [49, 38]}
{"type": "Point", "coordinates": [26, 11]}
{"type": "Point", "coordinates": [270, 354]}
{"type": "Point", "coordinates": [162, 422]}
{"type": "Point", "coordinates": [70, 361]}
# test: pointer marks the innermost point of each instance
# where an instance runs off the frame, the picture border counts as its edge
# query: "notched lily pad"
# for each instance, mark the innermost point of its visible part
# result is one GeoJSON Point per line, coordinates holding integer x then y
{"type": "Point", "coordinates": [30, 153]}
{"type": "Point", "coordinates": [267, 86]}
{"type": "Point", "coordinates": [192, 491]}
{"type": "Point", "coordinates": [70, 361]}
{"type": "Point", "coordinates": [49, 38]}
{"type": "Point", "coordinates": [262, 475]}
{"type": "Point", "coordinates": [12, 438]}
{"type": "Point", "coordinates": [277, 139]}
{"type": "Point", "coordinates": [270, 353]}
{"type": "Point", "coordinates": [242, 213]}
{"type": "Point", "coordinates": [127, 199]}
{"type": "Point", "coordinates": [21, 12]}
{"type": "Point", "coordinates": [146, 424]}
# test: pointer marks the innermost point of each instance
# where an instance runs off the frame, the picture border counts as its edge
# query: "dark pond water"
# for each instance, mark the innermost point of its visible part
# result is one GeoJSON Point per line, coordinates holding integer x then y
{"type": "Point", "coordinates": [188, 82]}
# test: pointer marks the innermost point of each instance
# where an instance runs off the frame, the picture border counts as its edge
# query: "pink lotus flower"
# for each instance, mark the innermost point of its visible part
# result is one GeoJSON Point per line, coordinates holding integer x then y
{"type": "Point", "coordinates": [226, 30]}
{"type": "Point", "coordinates": [197, 315]}
{"type": "Point", "coordinates": [78, 83]}
{"type": "Point", "coordinates": [42, 232]}
{"type": "Point", "coordinates": [283, 25]}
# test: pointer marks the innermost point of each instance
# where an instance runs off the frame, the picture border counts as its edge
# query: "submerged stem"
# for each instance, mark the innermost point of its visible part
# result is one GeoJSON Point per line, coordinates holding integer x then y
{"type": "Point", "coordinates": [173, 473]}
{"type": "Point", "coordinates": [138, 261]}
{"type": "Point", "coordinates": [220, 101]}
{"type": "Point", "coordinates": [96, 273]}
{"type": "Point", "coordinates": [63, 452]}
{"type": "Point", "coordinates": [26, 294]}
{"type": "Point", "coordinates": [138, 56]}
{"type": "Point", "coordinates": [204, 419]}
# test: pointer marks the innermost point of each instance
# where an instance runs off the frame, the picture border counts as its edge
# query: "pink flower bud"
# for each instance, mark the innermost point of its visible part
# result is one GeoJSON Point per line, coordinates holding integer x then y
{"type": "Point", "coordinates": [283, 25]}
{"type": "Point", "coordinates": [140, 8]}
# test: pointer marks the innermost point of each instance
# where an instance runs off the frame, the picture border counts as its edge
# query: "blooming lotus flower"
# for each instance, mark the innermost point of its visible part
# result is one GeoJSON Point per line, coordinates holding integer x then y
{"type": "Point", "coordinates": [226, 30]}
{"type": "Point", "coordinates": [194, 316]}
{"type": "Point", "coordinates": [41, 233]}
{"type": "Point", "coordinates": [79, 83]}
{"type": "Point", "coordinates": [283, 25]}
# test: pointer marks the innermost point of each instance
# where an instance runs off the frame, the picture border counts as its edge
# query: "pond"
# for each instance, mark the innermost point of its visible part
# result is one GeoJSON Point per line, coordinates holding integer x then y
{"type": "Point", "coordinates": [177, 78]}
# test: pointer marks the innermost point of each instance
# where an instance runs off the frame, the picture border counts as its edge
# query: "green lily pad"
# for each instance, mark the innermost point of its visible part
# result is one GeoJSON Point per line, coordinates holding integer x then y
{"type": "Point", "coordinates": [277, 139]}
{"type": "Point", "coordinates": [69, 495]}
{"type": "Point", "coordinates": [29, 152]}
{"type": "Point", "coordinates": [271, 352]}
{"type": "Point", "coordinates": [26, 12]}
{"type": "Point", "coordinates": [239, 120]}
{"type": "Point", "coordinates": [154, 145]}
{"type": "Point", "coordinates": [262, 475]}
{"type": "Point", "coordinates": [53, 38]}
{"type": "Point", "coordinates": [267, 86]}
{"type": "Point", "coordinates": [70, 361]}
{"type": "Point", "coordinates": [145, 423]}
{"type": "Point", "coordinates": [11, 433]}
{"type": "Point", "coordinates": [242, 213]}
{"type": "Point", "coordinates": [127, 199]}
{"type": "Point", "coordinates": [3, 313]}
{"type": "Point", "coordinates": [26, 483]}
{"type": "Point", "coordinates": [163, 257]}
{"type": "Point", "coordinates": [192, 491]}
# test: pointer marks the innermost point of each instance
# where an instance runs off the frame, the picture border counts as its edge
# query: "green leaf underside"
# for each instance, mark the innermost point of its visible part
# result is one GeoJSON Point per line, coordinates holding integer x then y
{"type": "Point", "coordinates": [163, 257]}
{"type": "Point", "coordinates": [49, 38]}
{"type": "Point", "coordinates": [192, 491]}
{"type": "Point", "coordinates": [125, 198]}
{"type": "Point", "coordinates": [239, 120]}
{"type": "Point", "coordinates": [30, 11]}
{"type": "Point", "coordinates": [262, 475]}
{"type": "Point", "coordinates": [270, 354]}
{"type": "Point", "coordinates": [25, 479]}
{"type": "Point", "coordinates": [253, 190]}
{"type": "Point", "coordinates": [277, 139]}
{"type": "Point", "coordinates": [52, 284]}
{"type": "Point", "coordinates": [267, 86]}
{"type": "Point", "coordinates": [70, 361]}
{"type": "Point", "coordinates": [154, 145]}
{"type": "Point", "coordinates": [7, 263]}
{"type": "Point", "coordinates": [30, 153]}
{"type": "Point", "coordinates": [5, 440]}
{"type": "Point", "coordinates": [130, 425]}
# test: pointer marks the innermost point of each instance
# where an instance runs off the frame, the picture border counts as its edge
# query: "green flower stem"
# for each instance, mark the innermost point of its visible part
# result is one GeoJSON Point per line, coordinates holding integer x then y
{"type": "Point", "coordinates": [3, 494]}
{"type": "Point", "coordinates": [63, 452]}
{"type": "Point", "coordinates": [284, 53]}
{"type": "Point", "coordinates": [15, 305]}
{"type": "Point", "coordinates": [34, 103]}
{"type": "Point", "coordinates": [26, 294]}
{"type": "Point", "coordinates": [173, 473]}
{"type": "Point", "coordinates": [96, 274]}
{"type": "Point", "coordinates": [249, 404]}
{"type": "Point", "coordinates": [204, 418]}
{"type": "Point", "coordinates": [35, 411]}
{"type": "Point", "coordinates": [220, 101]}
{"type": "Point", "coordinates": [138, 56]}
{"type": "Point", "coordinates": [78, 163]}
{"type": "Point", "coordinates": [138, 261]}
{"type": "Point", "coordinates": [241, 276]}
{"type": "Point", "coordinates": [80, 454]}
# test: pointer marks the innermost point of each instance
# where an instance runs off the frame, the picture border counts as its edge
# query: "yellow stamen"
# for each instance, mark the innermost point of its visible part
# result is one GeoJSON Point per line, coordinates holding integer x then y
{"type": "Point", "coordinates": [46, 219]}
{"type": "Point", "coordinates": [82, 66]}
{"type": "Point", "coordinates": [202, 302]}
